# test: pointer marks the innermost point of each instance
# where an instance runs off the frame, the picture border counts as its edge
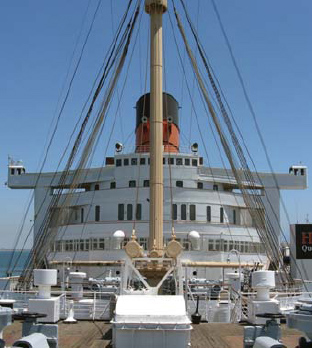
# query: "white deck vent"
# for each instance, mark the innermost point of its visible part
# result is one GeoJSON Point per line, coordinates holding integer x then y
{"type": "Point", "coordinates": [194, 238]}
{"type": "Point", "coordinates": [262, 282]}
{"type": "Point", "coordinates": [44, 279]}
{"type": "Point", "coordinates": [76, 283]}
{"type": "Point", "coordinates": [118, 238]}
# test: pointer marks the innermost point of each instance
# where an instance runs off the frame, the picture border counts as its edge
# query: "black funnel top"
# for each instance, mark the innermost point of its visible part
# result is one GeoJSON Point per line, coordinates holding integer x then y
{"type": "Point", "coordinates": [170, 108]}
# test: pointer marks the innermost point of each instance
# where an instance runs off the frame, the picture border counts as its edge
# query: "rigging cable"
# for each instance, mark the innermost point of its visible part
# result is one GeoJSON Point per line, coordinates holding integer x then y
{"type": "Point", "coordinates": [76, 176]}
{"type": "Point", "coordinates": [112, 47]}
{"type": "Point", "coordinates": [253, 113]}
{"type": "Point", "coordinates": [57, 122]}
{"type": "Point", "coordinates": [227, 120]}
{"type": "Point", "coordinates": [141, 138]}
{"type": "Point", "coordinates": [108, 142]}
{"type": "Point", "coordinates": [255, 206]}
{"type": "Point", "coordinates": [199, 129]}
{"type": "Point", "coordinates": [65, 173]}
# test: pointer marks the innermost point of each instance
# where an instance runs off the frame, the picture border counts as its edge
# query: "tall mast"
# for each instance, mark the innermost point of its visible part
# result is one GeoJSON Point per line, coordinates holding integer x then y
{"type": "Point", "coordinates": [156, 8]}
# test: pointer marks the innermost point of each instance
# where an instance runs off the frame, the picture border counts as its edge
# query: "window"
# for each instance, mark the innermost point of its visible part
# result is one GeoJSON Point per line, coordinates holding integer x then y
{"type": "Point", "coordinates": [209, 213]}
{"type": "Point", "coordinates": [174, 212]}
{"type": "Point", "coordinates": [200, 185]}
{"type": "Point", "coordinates": [97, 213]}
{"type": "Point", "coordinates": [132, 183]}
{"type": "Point", "coordinates": [186, 244]}
{"type": "Point", "coordinates": [170, 160]}
{"type": "Point", "coordinates": [179, 161]}
{"type": "Point", "coordinates": [221, 215]}
{"type": "Point", "coordinates": [19, 171]}
{"type": "Point", "coordinates": [76, 244]}
{"type": "Point", "coordinates": [215, 187]}
{"type": "Point", "coordinates": [138, 214]}
{"type": "Point", "coordinates": [118, 162]}
{"type": "Point", "coordinates": [12, 171]}
{"type": "Point", "coordinates": [179, 183]}
{"type": "Point", "coordinates": [143, 243]}
{"type": "Point", "coordinates": [129, 211]}
{"type": "Point", "coordinates": [142, 161]}
{"type": "Point", "coordinates": [194, 162]}
{"type": "Point", "coordinates": [96, 187]}
{"type": "Point", "coordinates": [81, 245]}
{"type": "Point", "coordinates": [101, 244]}
{"type": "Point", "coordinates": [201, 160]}
{"type": "Point", "coordinates": [76, 214]}
{"type": "Point", "coordinates": [241, 247]}
{"type": "Point", "coordinates": [192, 212]}
{"type": "Point", "coordinates": [217, 244]}
{"type": "Point", "coordinates": [183, 211]}
{"type": "Point", "coordinates": [164, 160]}
{"type": "Point", "coordinates": [69, 245]}
{"type": "Point", "coordinates": [211, 245]}
{"type": "Point", "coordinates": [109, 161]}
{"type": "Point", "coordinates": [149, 161]}
{"type": "Point", "coordinates": [58, 245]}
{"type": "Point", "coordinates": [234, 217]}
{"type": "Point", "coordinates": [126, 161]}
{"type": "Point", "coordinates": [134, 161]}
{"type": "Point", "coordinates": [94, 243]}
{"type": "Point", "coordinates": [187, 162]}
{"type": "Point", "coordinates": [81, 215]}
{"type": "Point", "coordinates": [87, 244]}
{"type": "Point", "coordinates": [113, 185]}
{"type": "Point", "coordinates": [121, 211]}
{"type": "Point", "coordinates": [146, 183]}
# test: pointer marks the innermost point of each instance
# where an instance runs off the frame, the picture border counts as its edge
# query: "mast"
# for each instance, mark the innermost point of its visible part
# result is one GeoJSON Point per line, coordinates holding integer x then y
{"type": "Point", "coordinates": [156, 8]}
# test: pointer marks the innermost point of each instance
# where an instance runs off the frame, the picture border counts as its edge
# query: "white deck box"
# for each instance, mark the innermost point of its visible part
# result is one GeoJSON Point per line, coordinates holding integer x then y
{"type": "Point", "coordinates": [151, 321]}
{"type": "Point", "coordinates": [48, 306]}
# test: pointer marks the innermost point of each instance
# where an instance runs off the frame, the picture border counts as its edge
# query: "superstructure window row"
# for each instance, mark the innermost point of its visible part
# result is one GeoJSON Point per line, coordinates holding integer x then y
{"type": "Point", "coordinates": [188, 212]}
{"type": "Point", "coordinates": [146, 183]}
{"type": "Point", "coordinates": [129, 211]}
{"type": "Point", "coordinates": [179, 161]}
{"type": "Point", "coordinates": [207, 244]}
{"type": "Point", "coordinates": [125, 212]}
{"type": "Point", "coordinates": [183, 209]}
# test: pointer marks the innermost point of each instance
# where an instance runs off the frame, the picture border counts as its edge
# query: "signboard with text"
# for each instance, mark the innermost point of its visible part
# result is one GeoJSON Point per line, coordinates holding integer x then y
{"type": "Point", "coordinates": [303, 241]}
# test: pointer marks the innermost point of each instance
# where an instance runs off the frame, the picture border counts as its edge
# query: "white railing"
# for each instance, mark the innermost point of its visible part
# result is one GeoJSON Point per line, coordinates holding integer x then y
{"type": "Point", "coordinates": [93, 305]}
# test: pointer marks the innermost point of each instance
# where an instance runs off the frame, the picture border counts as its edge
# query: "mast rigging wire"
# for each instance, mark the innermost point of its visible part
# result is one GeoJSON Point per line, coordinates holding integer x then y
{"type": "Point", "coordinates": [100, 117]}
{"type": "Point", "coordinates": [56, 125]}
{"type": "Point", "coordinates": [255, 205]}
{"type": "Point", "coordinates": [253, 113]}
{"type": "Point", "coordinates": [200, 131]}
{"type": "Point", "coordinates": [112, 48]}
{"type": "Point", "coordinates": [203, 55]}
{"type": "Point", "coordinates": [224, 113]}
{"type": "Point", "coordinates": [99, 135]}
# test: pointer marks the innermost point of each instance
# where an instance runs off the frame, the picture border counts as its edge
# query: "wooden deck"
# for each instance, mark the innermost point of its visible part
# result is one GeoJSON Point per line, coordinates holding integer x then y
{"type": "Point", "coordinates": [98, 335]}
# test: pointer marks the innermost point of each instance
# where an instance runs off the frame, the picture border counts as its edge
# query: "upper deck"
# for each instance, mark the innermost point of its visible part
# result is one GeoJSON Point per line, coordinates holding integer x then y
{"type": "Point", "coordinates": [181, 165]}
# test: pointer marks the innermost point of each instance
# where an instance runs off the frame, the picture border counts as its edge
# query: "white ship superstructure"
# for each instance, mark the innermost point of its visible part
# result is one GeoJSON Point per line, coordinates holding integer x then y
{"type": "Point", "coordinates": [154, 230]}
{"type": "Point", "coordinates": [202, 200]}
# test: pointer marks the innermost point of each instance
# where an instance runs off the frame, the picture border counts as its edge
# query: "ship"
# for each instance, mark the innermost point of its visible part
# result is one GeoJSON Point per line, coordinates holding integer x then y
{"type": "Point", "coordinates": [156, 225]}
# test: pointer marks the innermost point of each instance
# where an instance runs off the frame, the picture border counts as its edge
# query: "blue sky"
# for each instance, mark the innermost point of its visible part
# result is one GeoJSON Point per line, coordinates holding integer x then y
{"type": "Point", "coordinates": [271, 41]}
